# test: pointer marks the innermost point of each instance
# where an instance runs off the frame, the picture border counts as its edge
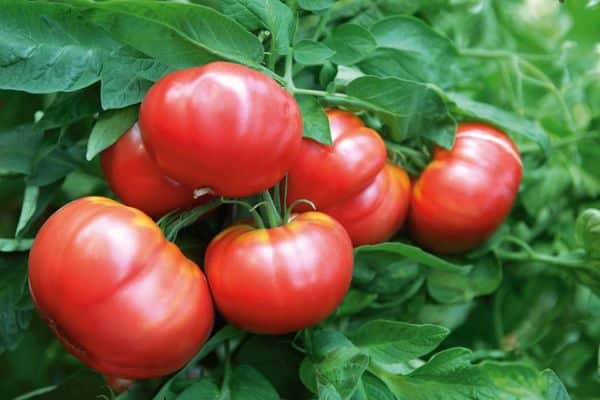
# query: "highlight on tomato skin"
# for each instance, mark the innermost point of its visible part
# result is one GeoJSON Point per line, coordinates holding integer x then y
{"type": "Point", "coordinates": [116, 293]}
{"type": "Point", "coordinates": [222, 126]}
{"type": "Point", "coordinates": [138, 182]}
{"type": "Point", "coordinates": [377, 212]}
{"type": "Point", "coordinates": [282, 279]}
{"type": "Point", "coordinates": [326, 174]}
{"type": "Point", "coordinates": [465, 193]}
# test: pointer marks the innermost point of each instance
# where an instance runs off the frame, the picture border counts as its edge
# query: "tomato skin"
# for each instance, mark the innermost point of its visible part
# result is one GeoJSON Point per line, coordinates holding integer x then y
{"type": "Point", "coordinates": [222, 126]}
{"type": "Point", "coordinates": [378, 211]}
{"type": "Point", "coordinates": [134, 177]}
{"type": "Point", "coordinates": [115, 292]}
{"type": "Point", "coordinates": [325, 174]}
{"type": "Point", "coordinates": [465, 194]}
{"type": "Point", "coordinates": [279, 280]}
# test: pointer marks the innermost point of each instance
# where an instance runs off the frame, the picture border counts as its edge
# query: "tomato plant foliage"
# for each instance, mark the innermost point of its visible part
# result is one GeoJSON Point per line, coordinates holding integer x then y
{"type": "Point", "coordinates": [516, 318]}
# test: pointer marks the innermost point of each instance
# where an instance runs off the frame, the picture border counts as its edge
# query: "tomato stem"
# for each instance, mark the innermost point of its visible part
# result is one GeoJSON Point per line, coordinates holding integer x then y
{"type": "Point", "coordinates": [258, 221]}
{"type": "Point", "coordinates": [175, 221]}
{"type": "Point", "coordinates": [271, 210]}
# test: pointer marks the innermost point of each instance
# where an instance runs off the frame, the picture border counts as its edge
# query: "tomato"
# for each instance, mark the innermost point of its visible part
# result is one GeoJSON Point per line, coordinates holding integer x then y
{"type": "Point", "coordinates": [329, 174]}
{"type": "Point", "coordinates": [465, 193]}
{"type": "Point", "coordinates": [222, 126]}
{"type": "Point", "coordinates": [282, 279]}
{"type": "Point", "coordinates": [115, 292]}
{"type": "Point", "coordinates": [134, 177]}
{"type": "Point", "coordinates": [378, 211]}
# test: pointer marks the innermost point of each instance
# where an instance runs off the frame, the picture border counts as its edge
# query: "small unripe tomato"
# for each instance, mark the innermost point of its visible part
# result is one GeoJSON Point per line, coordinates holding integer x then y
{"type": "Point", "coordinates": [327, 175]}
{"type": "Point", "coordinates": [465, 193]}
{"type": "Point", "coordinates": [221, 126]}
{"type": "Point", "coordinates": [378, 211]}
{"type": "Point", "coordinates": [115, 292]}
{"type": "Point", "coordinates": [282, 279]}
{"type": "Point", "coordinates": [134, 177]}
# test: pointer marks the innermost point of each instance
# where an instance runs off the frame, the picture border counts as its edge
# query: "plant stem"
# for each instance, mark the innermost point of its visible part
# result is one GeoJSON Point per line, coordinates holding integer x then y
{"type": "Point", "coordinates": [562, 143]}
{"type": "Point", "coordinates": [252, 210]}
{"type": "Point", "coordinates": [272, 215]}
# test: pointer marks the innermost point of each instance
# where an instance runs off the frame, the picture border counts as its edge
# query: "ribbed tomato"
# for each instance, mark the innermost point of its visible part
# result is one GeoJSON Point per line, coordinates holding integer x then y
{"type": "Point", "coordinates": [378, 211]}
{"type": "Point", "coordinates": [325, 174]}
{"type": "Point", "coordinates": [138, 182]}
{"type": "Point", "coordinates": [281, 279]}
{"type": "Point", "coordinates": [222, 126]}
{"type": "Point", "coordinates": [465, 193]}
{"type": "Point", "coordinates": [115, 292]}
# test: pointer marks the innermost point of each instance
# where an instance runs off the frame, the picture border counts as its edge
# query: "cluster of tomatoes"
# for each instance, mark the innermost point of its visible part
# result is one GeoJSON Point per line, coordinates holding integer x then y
{"type": "Point", "coordinates": [126, 301]}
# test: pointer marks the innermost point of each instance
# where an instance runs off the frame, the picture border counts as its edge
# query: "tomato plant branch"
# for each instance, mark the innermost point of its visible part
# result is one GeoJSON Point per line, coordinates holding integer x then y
{"type": "Point", "coordinates": [271, 210]}
{"type": "Point", "coordinates": [258, 221]}
{"type": "Point", "coordinates": [174, 222]}
{"type": "Point", "coordinates": [562, 143]}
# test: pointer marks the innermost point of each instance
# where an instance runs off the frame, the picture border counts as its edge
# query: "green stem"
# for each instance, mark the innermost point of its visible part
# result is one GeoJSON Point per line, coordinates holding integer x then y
{"type": "Point", "coordinates": [272, 215]}
{"type": "Point", "coordinates": [322, 24]}
{"type": "Point", "coordinates": [226, 392]}
{"type": "Point", "coordinates": [543, 258]}
{"type": "Point", "coordinates": [562, 143]}
{"type": "Point", "coordinates": [174, 222]}
{"type": "Point", "coordinates": [307, 341]}
{"type": "Point", "coordinates": [258, 221]}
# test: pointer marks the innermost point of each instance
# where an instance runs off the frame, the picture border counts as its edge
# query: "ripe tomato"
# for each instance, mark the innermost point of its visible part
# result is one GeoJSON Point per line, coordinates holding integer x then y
{"type": "Point", "coordinates": [134, 177]}
{"type": "Point", "coordinates": [378, 211]}
{"type": "Point", "coordinates": [465, 193]}
{"type": "Point", "coordinates": [223, 126]}
{"type": "Point", "coordinates": [329, 174]}
{"type": "Point", "coordinates": [115, 293]}
{"type": "Point", "coordinates": [281, 279]}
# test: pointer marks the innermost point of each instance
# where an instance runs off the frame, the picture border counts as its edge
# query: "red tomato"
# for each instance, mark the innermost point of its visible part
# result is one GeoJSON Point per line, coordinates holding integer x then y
{"type": "Point", "coordinates": [281, 279]}
{"type": "Point", "coordinates": [134, 177]}
{"type": "Point", "coordinates": [115, 293]}
{"type": "Point", "coordinates": [329, 174]}
{"type": "Point", "coordinates": [464, 194]}
{"type": "Point", "coordinates": [377, 212]}
{"type": "Point", "coordinates": [223, 126]}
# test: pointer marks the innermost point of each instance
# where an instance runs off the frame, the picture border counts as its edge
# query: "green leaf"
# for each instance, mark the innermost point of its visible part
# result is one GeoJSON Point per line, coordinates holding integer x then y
{"type": "Point", "coordinates": [393, 342]}
{"type": "Point", "coordinates": [336, 363]}
{"type": "Point", "coordinates": [54, 162]}
{"type": "Point", "coordinates": [109, 128]}
{"type": "Point", "coordinates": [412, 253]}
{"type": "Point", "coordinates": [451, 287]}
{"type": "Point", "coordinates": [18, 147]}
{"type": "Point", "coordinates": [314, 120]}
{"type": "Point", "coordinates": [351, 44]}
{"type": "Point", "coordinates": [14, 317]}
{"type": "Point", "coordinates": [83, 385]}
{"type": "Point", "coordinates": [203, 390]}
{"type": "Point", "coordinates": [127, 79]}
{"type": "Point", "coordinates": [354, 302]}
{"type": "Point", "coordinates": [374, 388]}
{"type": "Point", "coordinates": [248, 384]}
{"type": "Point", "coordinates": [409, 108]}
{"type": "Point", "coordinates": [315, 5]}
{"type": "Point", "coordinates": [30, 199]}
{"type": "Point", "coordinates": [411, 50]}
{"type": "Point", "coordinates": [47, 47]}
{"type": "Point", "coordinates": [309, 52]}
{"type": "Point", "coordinates": [513, 123]}
{"type": "Point", "coordinates": [35, 201]}
{"type": "Point", "coordinates": [450, 375]}
{"type": "Point", "coordinates": [227, 333]}
{"type": "Point", "coordinates": [12, 245]}
{"type": "Point", "coordinates": [68, 108]}
{"type": "Point", "coordinates": [272, 15]}
{"type": "Point", "coordinates": [588, 231]}
{"type": "Point", "coordinates": [276, 359]}
{"type": "Point", "coordinates": [179, 35]}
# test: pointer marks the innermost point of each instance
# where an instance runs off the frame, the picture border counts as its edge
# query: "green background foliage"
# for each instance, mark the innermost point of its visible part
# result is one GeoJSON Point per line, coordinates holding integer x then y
{"type": "Point", "coordinates": [517, 318]}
